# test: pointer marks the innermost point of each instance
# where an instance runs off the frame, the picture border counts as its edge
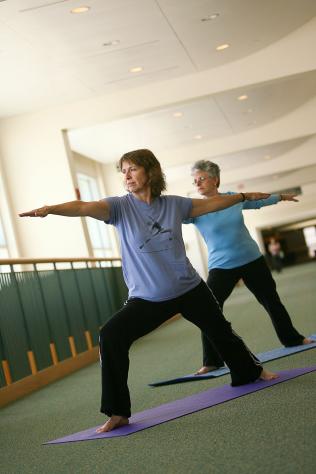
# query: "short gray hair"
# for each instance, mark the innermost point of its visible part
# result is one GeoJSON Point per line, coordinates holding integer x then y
{"type": "Point", "coordinates": [212, 169]}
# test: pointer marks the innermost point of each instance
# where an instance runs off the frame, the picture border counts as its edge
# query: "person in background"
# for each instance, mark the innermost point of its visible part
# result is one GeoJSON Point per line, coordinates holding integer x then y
{"type": "Point", "coordinates": [159, 276]}
{"type": "Point", "coordinates": [234, 255]}
{"type": "Point", "coordinates": [276, 253]}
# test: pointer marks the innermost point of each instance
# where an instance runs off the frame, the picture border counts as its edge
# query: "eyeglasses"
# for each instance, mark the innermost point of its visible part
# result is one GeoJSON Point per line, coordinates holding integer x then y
{"type": "Point", "coordinates": [199, 180]}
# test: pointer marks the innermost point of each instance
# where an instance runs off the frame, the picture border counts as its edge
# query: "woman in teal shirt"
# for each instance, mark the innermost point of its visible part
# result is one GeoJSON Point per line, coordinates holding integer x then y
{"type": "Point", "coordinates": [234, 255]}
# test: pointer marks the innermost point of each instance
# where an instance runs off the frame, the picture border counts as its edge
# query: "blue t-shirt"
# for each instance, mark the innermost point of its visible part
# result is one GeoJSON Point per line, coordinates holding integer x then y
{"type": "Point", "coordinates": [155, 265]}
{"type": "Point", "coordinates": [228, 240]}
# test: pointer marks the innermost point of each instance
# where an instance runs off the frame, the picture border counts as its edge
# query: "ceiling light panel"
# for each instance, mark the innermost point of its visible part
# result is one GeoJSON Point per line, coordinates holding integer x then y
{"type": "Point", "coordinates": [211, 17]}
{"type": "Point", "coordinates": [80, 10]}
{"type": "Point", "coordinates": [222, 47]}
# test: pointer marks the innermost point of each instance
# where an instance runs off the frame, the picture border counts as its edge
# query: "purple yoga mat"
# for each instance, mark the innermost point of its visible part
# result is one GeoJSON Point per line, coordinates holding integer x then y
{"type": "Point", "coordinates": [185, 406]}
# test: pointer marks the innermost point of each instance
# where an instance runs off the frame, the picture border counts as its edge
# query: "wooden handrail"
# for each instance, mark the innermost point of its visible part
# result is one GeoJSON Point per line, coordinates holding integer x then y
{"type": "Point", "coordinates": [22, 261]}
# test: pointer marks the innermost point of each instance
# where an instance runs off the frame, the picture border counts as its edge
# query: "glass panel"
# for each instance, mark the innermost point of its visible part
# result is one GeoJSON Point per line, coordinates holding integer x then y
{"type": "Point", "coordinates": [98, 232]}
{"type": "Point", "coordinates": [2, 238]}
{"type": "Point", "coordinates": [3, 250]}
{"type": "Point", "coordinates": [310, 239]}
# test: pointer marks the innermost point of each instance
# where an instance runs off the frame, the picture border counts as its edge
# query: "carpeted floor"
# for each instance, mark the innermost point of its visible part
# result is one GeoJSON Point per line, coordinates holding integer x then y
{"type": "Point", "coordinates": [272, 431]}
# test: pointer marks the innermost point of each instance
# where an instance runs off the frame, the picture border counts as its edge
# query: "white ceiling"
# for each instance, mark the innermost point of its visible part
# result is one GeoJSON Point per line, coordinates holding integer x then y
{"type": "Point", "coordinates": [211, 117]}
{"type": "Point", "coordinates": [50, 56]}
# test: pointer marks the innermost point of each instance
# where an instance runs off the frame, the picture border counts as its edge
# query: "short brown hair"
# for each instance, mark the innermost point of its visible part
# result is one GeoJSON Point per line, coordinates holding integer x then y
{"type": "Point", "coordinates": [149, 162]}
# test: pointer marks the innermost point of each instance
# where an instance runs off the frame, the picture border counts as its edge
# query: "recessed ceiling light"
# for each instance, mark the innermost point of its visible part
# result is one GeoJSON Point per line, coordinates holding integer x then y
{"type": "Point", "coordinates": [198, 137]}
{"type": "Point", "coordinates": [210, 17]}
{"type": "Point", "coordinates": [80, 10]}
{"type": "Point", "coordinates": [243, 97]}
{"type": "Point", "coordinates": [177, 114]}
{"type": "Point", "coordinates": [136, 69]}
{"type": "Point", "coordinates": [111, 43]}
{"type": "Point", "coordinates": [221, 47]}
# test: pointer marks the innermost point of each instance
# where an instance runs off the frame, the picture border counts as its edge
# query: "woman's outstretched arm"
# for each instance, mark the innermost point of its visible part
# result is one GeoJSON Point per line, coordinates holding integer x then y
{"type": "Point", "coordinates": [97, 209]}
{"type": "Point", "coordinates": [221, 201]}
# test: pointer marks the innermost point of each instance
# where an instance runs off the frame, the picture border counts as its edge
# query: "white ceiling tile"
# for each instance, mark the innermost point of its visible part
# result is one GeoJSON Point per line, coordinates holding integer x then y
{"type": "Point", "coordinates": [41, 37]}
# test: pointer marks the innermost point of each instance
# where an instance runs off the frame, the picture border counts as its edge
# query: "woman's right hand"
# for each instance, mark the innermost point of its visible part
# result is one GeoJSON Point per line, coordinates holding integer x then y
{"type": "Point", "coordinates": [39, 212]}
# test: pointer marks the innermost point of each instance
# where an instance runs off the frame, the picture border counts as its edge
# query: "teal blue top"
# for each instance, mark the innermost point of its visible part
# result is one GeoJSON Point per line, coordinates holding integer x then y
{"type": "Point", "coordinates": [228, 240]}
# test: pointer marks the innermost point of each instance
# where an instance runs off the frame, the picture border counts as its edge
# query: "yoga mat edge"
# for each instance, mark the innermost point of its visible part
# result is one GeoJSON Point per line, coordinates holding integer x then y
{"type": "Point", "coordinates": [273, 354]}
{"type": "Point", "coordinates": [178, 408]}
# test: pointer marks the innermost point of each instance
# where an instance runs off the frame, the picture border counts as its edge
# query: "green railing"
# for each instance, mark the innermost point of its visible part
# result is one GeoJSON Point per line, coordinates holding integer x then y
{"type": "Point", "coordinates": [52, 309]}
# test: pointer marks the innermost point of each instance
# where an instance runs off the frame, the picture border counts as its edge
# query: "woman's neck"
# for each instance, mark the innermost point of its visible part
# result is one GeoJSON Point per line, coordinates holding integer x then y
{"type": "Point", "coordinates": [212, 193]}
{"type": "Point", "coordinates": [144, 196]}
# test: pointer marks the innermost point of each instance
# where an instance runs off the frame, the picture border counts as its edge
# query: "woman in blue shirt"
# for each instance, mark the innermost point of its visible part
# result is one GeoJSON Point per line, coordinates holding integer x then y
{"type": "Point", "coordinates": [159, 276]}
{"type": "Point", "coordinates": [234, 255]}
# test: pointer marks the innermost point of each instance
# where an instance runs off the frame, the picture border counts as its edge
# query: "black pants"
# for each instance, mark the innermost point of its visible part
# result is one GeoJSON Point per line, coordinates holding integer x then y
{"type": "Point", "coordinates": [139, 317]}
{"type": "Point", "coordinates": [276, 263]}
{"type": "Point", "coordinates": [258, 279]}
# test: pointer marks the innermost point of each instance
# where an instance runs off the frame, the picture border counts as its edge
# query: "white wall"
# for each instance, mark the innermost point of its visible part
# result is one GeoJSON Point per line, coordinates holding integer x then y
{"type": "Point", "coordinates": [37, 173]}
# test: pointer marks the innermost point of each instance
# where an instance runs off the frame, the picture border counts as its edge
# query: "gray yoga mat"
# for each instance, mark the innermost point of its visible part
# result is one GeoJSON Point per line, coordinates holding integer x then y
{"type": "Point", "coordinates": [185, 406]}
{"type": "Point", "coordinates": [262, 356]}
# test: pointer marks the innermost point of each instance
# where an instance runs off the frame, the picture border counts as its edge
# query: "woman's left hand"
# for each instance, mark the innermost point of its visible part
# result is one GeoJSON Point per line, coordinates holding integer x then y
{"type": "Point", "coordinates": [288, 197]}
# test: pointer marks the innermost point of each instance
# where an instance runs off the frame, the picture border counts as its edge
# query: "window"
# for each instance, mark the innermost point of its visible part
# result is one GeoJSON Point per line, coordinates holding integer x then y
{"type": "Point", "coordinates": [3, 246]}
{"type": "Point", "coordinates": [98, 231]}
{"type": "Point", "coordinates": [3, 249]}
{"type": "Point", "coordinates": [310, 239]}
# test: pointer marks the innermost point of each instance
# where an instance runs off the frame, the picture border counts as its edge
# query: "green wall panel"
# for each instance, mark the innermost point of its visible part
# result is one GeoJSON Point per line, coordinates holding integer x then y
{"type": "Point", "coordinates": [74, 308]}
{"type": "Point", "coordinates": [35, 318]}
{"type": "Point", "coordinates": [14, 337]}
{"type": "Point", "coordinates": [37, 308]}
{"type": "Point", "coordinates": [56, 313]}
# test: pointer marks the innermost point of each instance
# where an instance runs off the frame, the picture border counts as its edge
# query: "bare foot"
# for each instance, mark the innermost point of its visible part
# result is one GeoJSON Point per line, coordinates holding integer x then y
{"type": "Point", "coordinates": [114, 422]}
{"type": "Point", "coordinates": [205, 369]}
{"type": "Point", "coordinates": [267, 375]}
{"type": "Point", "coordinates": [307, 340]}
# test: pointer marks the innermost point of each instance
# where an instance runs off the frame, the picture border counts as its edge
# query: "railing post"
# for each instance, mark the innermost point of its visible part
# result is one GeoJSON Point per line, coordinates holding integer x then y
{"type": "Point", "coordinates": [86, 332]}
{"type": "Point", "coordinates": [106, 287]}
{"type": "Point", "coordinates": [5, 363]}
{"type": "Point", "coordinates": [30, 355]}
{"type": "Point", "coordinates": [52, 346]}
{"type": "Point", "coordinates": [70, 337]}
{"type": "Point", "coordinates": [94, 293]}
